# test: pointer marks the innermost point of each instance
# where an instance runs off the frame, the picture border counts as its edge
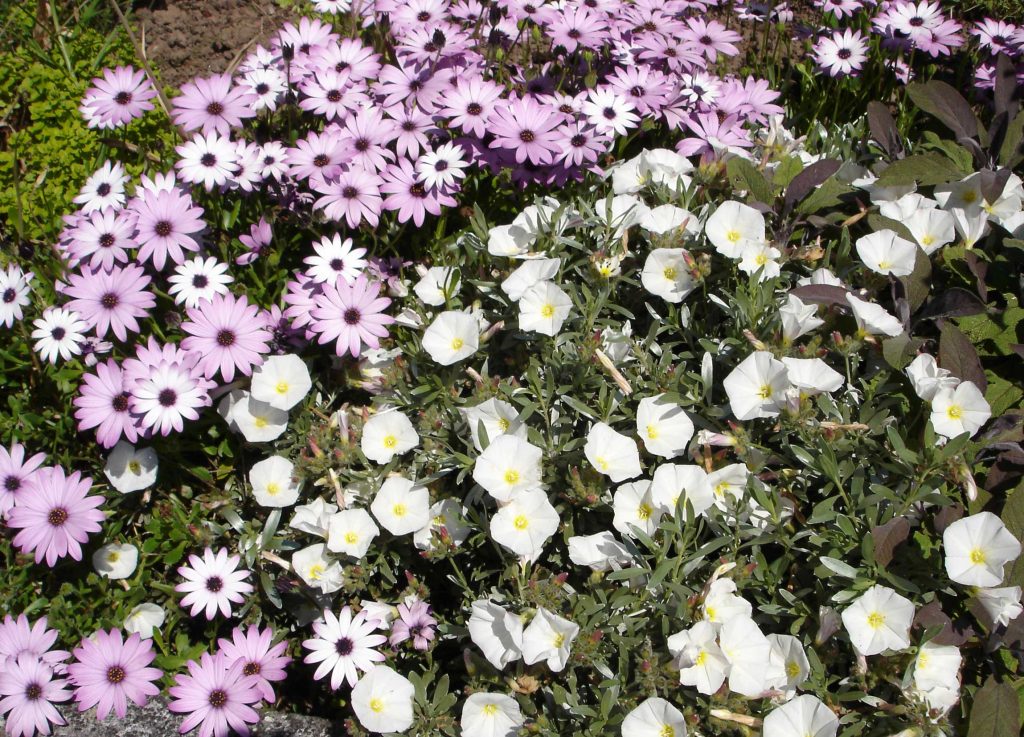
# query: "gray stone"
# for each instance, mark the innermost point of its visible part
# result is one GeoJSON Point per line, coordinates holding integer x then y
{"type": "Point", "coordinates": [154, 720]}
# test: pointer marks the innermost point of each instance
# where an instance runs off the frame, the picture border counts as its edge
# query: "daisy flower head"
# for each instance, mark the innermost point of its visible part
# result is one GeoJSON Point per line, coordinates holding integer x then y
{"type": "Point", "coordinates": [213, 104]}
{"type": "Point", "coordinates": [351, 314]}
{"type": "Point", "coordinates": [842, 54]}
{"type": "Point", "coordinates": [59, 333]}
{"type": "Point", "coordinates": [167, 224]}
{"type": "Point", "coordinates": [111, 299]}
{"type": "Point", "coordinates": [879, 620]}
{"type": "Point", "coordinates": [840, 8]}
{"type": "Point", "coordinates": [109, 671]}
{"type": "Point", "coordinates": [119, 96]}
{"type": "Point", "coordinates": [227, 333]}
{"type": "Point", "coordinates": [103, 237]}
{"type": "Point", "coordinates": [14, 293]}
{"type": "Point", "coordinates": [354, 195]}
{"type": "Point", "coordinates": [344, 646]}
{"type": "Point", "coordinates": [260, 658]}
{"type": "Point", "coordinates": [29, 690]}
{"type": "Point", "coordinates": [217, 698]}
{"type": "Point", "coordinates": [207, 159]}
{"type": "Point", "coordinates": [409, 195]}
{"type": "Point", "coordinates": [527, 129]}
{"type": "Point", "coordinates": [104, 189]}
{"type": "Point", "coordinates": [56, 515]}
{"type": "Point", "coordinates": [382, 700]}
{"type": "Point", "coordinates": [610, 112]}
{"type": "Point", "coordinates": [335, 257]}
{"type": "Point", "coordinates": [15, 473]}
{"type": "Point", "coordinates": [167, 394]}
{"type": "Point", "coordinates": [977, 547]}
{"type": "Point", "coordinates": [213, 582]}
{"type": "Point", "coordinates": [442, 168]}
{"type": "Point", "coordinates": [199, 279]}
{"type": "Point", "coordinates": [414, 622]}
{"type": "Point", "coordinates": [452, 337]}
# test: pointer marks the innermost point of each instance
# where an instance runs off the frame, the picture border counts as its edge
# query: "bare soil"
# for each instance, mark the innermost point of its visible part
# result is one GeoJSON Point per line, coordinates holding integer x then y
{"type": "Point", "coordinates": [188, 38]}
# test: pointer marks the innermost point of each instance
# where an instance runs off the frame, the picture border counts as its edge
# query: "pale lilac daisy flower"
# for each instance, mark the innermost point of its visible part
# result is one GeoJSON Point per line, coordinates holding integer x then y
{"type": "Point", "coordinates": [343, 646]}
{"type": "Point", "coordinates": [199, 279]}
{"type": "Point", "coordinates": [14, 293]}
{"type": "Point", "coordinates": [410, 196]}
{"type": "Point", "coordinates": [18, 637]}
{"type": "Point", "coordinates": [59, 333]}
{"type": "Point", "coordinates": [208, 160]}
{"type": "Point", "coordinates": [110, 671]}
{"type": "Point", "coordinates": [352, 315]}
{"type": "Point", "coordinates": [29, 690]}
{"type": "Point", "coordinates": [167, 223]}
{"type": "Point", "coordinates": [227, 333]}
{"type": "Point", "coordinates": [123, 93]}
{"type": "Point", "coordinates": [213, 582]}
{"type": "Point", "coordinates": [55, 515]}
{"type": "Point", "coordinates": [443, 167]}
{"type": "Point", "coordinates": [15, 472]}
{"type": "Point", "coordinates": [103, 237]}
{"type": "Point", "coordinates": [217, 698]}
{"type": "Point", "coordinates": [111, 299]}
{"type": "Point", "coordinates": [212, 104]}
{"type": "Point", "coordinates": [104, 402]}
{"type": "Point", "coordinates": [168, 393]}
{"type": "Point", "coordinates": [841, 54]}
{"type": "Point", "coordinates": [335, 257]}
{"type": "Point", "coordinates": [259, 237]}
{"type": "Point", "coordinates": [260, 657]}
{"type": "Point", "coordinates": [415, 622]}
{"type": "Point", "coordinates": [354, 195]}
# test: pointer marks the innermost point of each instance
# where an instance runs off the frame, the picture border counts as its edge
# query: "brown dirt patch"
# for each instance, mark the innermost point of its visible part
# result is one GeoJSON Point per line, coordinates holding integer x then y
{"type": "Point", "coordinates": [189, 38]}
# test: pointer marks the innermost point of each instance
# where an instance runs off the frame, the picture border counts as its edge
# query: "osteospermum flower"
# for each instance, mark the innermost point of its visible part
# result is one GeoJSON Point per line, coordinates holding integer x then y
{"type": "Point", "coordinates": [977, 548]}
{"type": "Point", "coordinates": [344, 646]}
{"type": "Point", "coordinates": [414, 622]}
{"type": "Point", "coordinates": [609, 112]}
{"type": "Point", "coordinates": [217, 698]}
{"type": "Point", "coordinates": [14, 293]}
{"type": "Point", "coordinates": [213, 582]}
{"type": "Point", "coordinates": [103, 402]}
{"type": "Point", "coordinates": [335, 257]}
{"type": "Point", "coordinates": [212, 104]}
{"type": "Point", "coordinates": [352, 315]}
{"type": "Point", "coordinates": [208, 160]}
{"type": "Point", "coordinates": [103, 237]}
{"type": "Point", "coordinates": [103, 189]}
{"type": "Point", "coordinates": [122, 94]}
{"type": "Point", "coordinates": [111, 299]}
{"type": "Point", "coordinates": [879, 620]}
{"type": "Point", "coordinates": [55, 515]}
{"type": "Point", "coordinates": [18, 637]}
{"type": "Point", "coordinates": [841, 54]}
{"type": "Point", "coordinates": [260, 658]}
{"type": "Point", "coordinates": [110, 671]}
{"type": "Point", "coordinates": [29, 690]}
{"type": "Point", "coordinates": [15, 472]}
{"type": "Point", "coordinates": [59, 333]}
{"type": "Point", "coordinates": [168, 394]}
{"type": "Point", "coordinates": [227, 333]}
{"type": "Point", "coordinates": [199, 279]}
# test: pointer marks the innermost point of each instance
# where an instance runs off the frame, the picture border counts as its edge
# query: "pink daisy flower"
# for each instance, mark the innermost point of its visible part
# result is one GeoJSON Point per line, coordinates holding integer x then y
{"type": "Point", "coordinates": [469, 105]}
{"type": "Point", "coordinates": [216, 698]}
{"type": "Point", "coordinates": [257, 241]}
{"type": "Point", "coordinates": [354, 195]}
{"type": "Point", "coordinates": [711, 37]}
{"type": "Point", "coordinates": [123, 93]}
{"type": "Point", "coordinates": [228, 334]}
{"type": "Point", "coordinates": [410, 196]}
{"type": "Point", "coordinates": [18, 637]}
{"type": "Point", "coordinates": [111, 299]}
{"type": "Point", "coordinates": [167, 222]}
{"type": "Point", "coordinates": [343, 646]}
{"type": "Point", "coordinates": [842, 54]}
{"type": "Point", "coordinates": [29, 690]}
{"type": "Point", "coordinates": [527, 129]}
{"type": "Point", "coordinates": [260, 658]}
{"type": "Point", "coordinates": [56, 515]}
{"type": "Point", "coordinates": [168, 393]}
{"type": "Point", "coordinates": [104, 402]}
{"type": "Point", "coordinates": [15, 473]}
{"type": "Point", "coordinates": [213, 582]}
{"type": "Point", "coordinates": [212, 104]}
{"type": "Point", "coordinates": [351, 314]}
{"type": "Point", "coordinates": [414, 622]}
{"type": "Point", "coordinates": [110, 671]}
{"type": "Point", "coordinates": [103, 237]}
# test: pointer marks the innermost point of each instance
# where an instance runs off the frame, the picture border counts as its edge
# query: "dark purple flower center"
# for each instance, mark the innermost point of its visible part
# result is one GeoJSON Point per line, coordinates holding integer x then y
{"type": "Point", "coordinates": [304, 48]}
{"type": "Point", "coordinates": [321, 160]}
{"type": "Point", "coordinates": [115, 674]}
{"type": "Point", "coordinates": [337, 264]}
{"type": "Point", "coordinates": [208, 160]}
{"type": "Point", "coordinates": [58, 333]}
{"type": "Point", "coordinates": [351, 316]}
{"type": "Point", "coordinates": [440, 165]}
{"type": "Point", "coordinates": [423, 16]}
{"type": "Point", "coordinates": [214, 584]}
{"type": "Point", "coordinates": [163, 228]}
{"type": "Point", "coordinates": [474, 108]}
{"type": "Point", "coordinates": [107, 240]}
{"type": "Point", "coordinates": [344, 646]}
{"type": "Point", "coordinates": [527, 136]}
{"type": "Point", "coordinates": [415, 85]}
{"type": "Point", "coordinates": [12, 484]}
{"type": "Point", "coordinates": [103, 190]}
{"type": "Point", "coordinates": [844, 53]}
{"type": "Point", "coordinates": [33, 691]}
{"type": "Point", "coordinates": [998, 40]}
{"type": "Point", "coordinates": [334, 96]}
{"type": "Point", "coordinates": [408, 126]}
{"type": "Point", "coordinates": [578, 140]}
{"type": "Point", "coordinates": [670, 52]}
{"type": "Point", "coordinates": [917, 21]}
{"type": "Point", "coordinates": [120, 402]}
{"type": "Point", "coordinates": [268, 160]}
{"type": "Point", "coordinates": [349, 192]}
{"type": "Point", "coordinates": [9, 295]}
{"type": "Point", "coordinates": [199, 281]}
{"type": "Point", "coordinates": [262, 88]}
{"type": "Point", "coordinates": [167, 398]}
{"type": "Point", "coordinates": [215, 108]}
{"type": "Point", "coordinates": [362, 144]}
{"type": "Point", "coordinates": [123, 98]}
{"type": "Point", "coordinates": [418, 190]}
{"type": "Point", "coordinates": [429, 47]}
{"type": "Point", "coordinates": [226, 338]}
{"type": "Point", "coordinates": [609, 113]}
{"type": "Point", "coordinates": [706, 40]}
{"type": "Point", "coordinates": [251, 669]}
{"type": "Point", "coordinates": [650, 26]}
{"type": "Point", "coordinates": [574, 33]}
{"type": "Point", "coordinates": [57, 516]}
{"type": "Point", "coordinates": [566, 108]}
{"type": "Point", "coordinates": [341, 66]}
{"type": "Point", "coordinates": [637, 91]}
{"type": "Point", "coordinates": [109, 300]}
{"type": "Point", "coordinates": [218, 698]}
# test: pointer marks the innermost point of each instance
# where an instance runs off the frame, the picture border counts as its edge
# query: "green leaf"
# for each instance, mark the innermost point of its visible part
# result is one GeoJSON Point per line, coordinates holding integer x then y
{"type": "Point", "coordinates": [918, 284]}
{"type": "Point", "coordinates": [924, 169]}
{"type": "Point", "coordinates": [744, 176]}
{"type": "Point", "coordinates": [996, 711]}
{"type": "Point", "coordinates": [900, 351]}
{"type": "Point", "coordinates": [1011, 152]}
{"type": "Point", "coordinates": [957, 355]}
{"type": "Point", "coordinates": [824, 196]}
{"type": "Point", "coordinates": [787, 170]}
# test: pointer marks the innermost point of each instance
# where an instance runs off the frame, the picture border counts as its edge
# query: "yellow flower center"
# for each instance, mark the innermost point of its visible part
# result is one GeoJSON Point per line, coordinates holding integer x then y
{"type": "Point", "coordinates": [390, 441]}
{"type": "Point", "coordinates": [399, 510]}
{"type": "Point", "coordinates": [652, 432]}
{"type": "Point", "coordinates": [643, 512]}
{"type": "Point", "coordinates": [558, 640]}
{"type": "Point", "coordinates": [273, 489]}
{"type": "Point", "coordinates": [792, 669]}
{"type": "Point", "coordinates": [669, 273]}
{"type": "Point", "coordinates": [503, 425]}
{"type": "Point", "coordinates": [667, 730]}
{"type": "Point", "coordinates": [351, 538]}
{"type": "Point", "coordinates": [457, 343]}
{"type": "Point", "coordinates": [927, 240]}
{"type": "Point", "coordinates": [602, 463]}
{"type": "Point", "coordinates": [520, 522]}
{"type": "Point", "coordinates": [261, 422]}
{"type": "Point", "coordinates": [511, 477]}
{"type": "Point", "coordinates": [733, 236]}
{"type": "Point", "coordinates": [970, 196]}
{"type": "Point", "coordinates": [282, 387]}
{"type": "Point", "coordinates": [978, 556]}
{"type": "Point", "coordinates": [702, 657]}
{"type": "Point", "coordinates": [316, 571]}
{"type": "Point", "coordinates": [765, 392]}
{"type": "Point", "coordinates": [547, 310]}
{"type": "Point", "coordinates": [922, 660]}
{"type": "Point", "coordinates": [760, 259]}
{"type": "Point", "coordinates": [720, 489]}
{"type": "Point", "coordinates": [883, 265]}
{"type": "Point", "coordinates": [876, 620]}
{"type": "Point", "coordinates": [604, 270]}
{"type": "Point", "coordinates": [113, 556]}
{"type": "Point", "coordinates": [490, 710]}
{"type": "Point", "coordinates": [376, 706]}
{"type": "Point", "coordinates": [135, 467]}
{"type": "Point", "coordinates": [954, 412]}
{"type": "Point", "coordinates": [711, 612]}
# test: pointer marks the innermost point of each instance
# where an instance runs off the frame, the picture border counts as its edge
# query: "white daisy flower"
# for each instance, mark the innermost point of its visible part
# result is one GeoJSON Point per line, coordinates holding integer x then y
{"type": "Point", "coordinates": [335, 257]}
{"type": "Point", "coordinates": [443, 167]}
{"type": "Point", "coordinates": [609, 112]}
{"type": "Point", "coordinates": [59, 333]}
{"type": "Point", "coordinates": [199, 279]}
{"type": "Point", "coordinates": [103, 189]}
{"type": "Point", "coordinates": [14, 293]}
{"type": "Point", "coordinates": [208, 160]}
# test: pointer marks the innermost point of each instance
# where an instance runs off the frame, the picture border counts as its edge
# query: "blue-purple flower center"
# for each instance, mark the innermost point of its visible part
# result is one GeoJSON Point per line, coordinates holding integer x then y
{"type": "Point", "coordinates": [163, 228]}
{"type": "Point", "coordinates": [199, 281]}
{"type": "Point", "coordinates": [167, 398]}
{"type": "Point", "coordinates": [123, 98]}
{"type": "Point", "coordinates": [251, 669]}
{"type": "Point", "coordinates": [120, 402]}
{"type": "Point", "coordinates": [218, 698]}
{"type": "Point", "coordinates": [9, 295]}
{"type": "Point", "coordinates": [527, 136]}
{"type": "Point", "coordinates": [344, 646]}
{"type": "Point", "coordinates": [58, 333]}
{"type": "Point", "coordinates": [215, 108]}
{"type": "Point", "coordinates": [107, 240]}
{"type": "Point", "coordinates": [103, 190]}
{"type": "Point", "coordinates": [214, 584]}
{"type": "Point", "coordinates": [321, 160]}
{"type": "Point", "coordinates": [208, 160]}
{"type": "Point", "coordinates": [351, 316]}
{"type": "Point", "coordinates": [349, 192]}
{"type": "Point", "coordinates": [115, 674]}
{"type": "Point", "coordinates": [109, 300]}
{"type": "Point", "coordinates": [12, 483]}
{"type": "Point", "coordinates": [33, 691]}
{"type": "Point", "coordinates": [334, 96]}
{"type": "Point", "coordinates": [225, 338]}
{"type": "Point", "coordinates": [57, 516]}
